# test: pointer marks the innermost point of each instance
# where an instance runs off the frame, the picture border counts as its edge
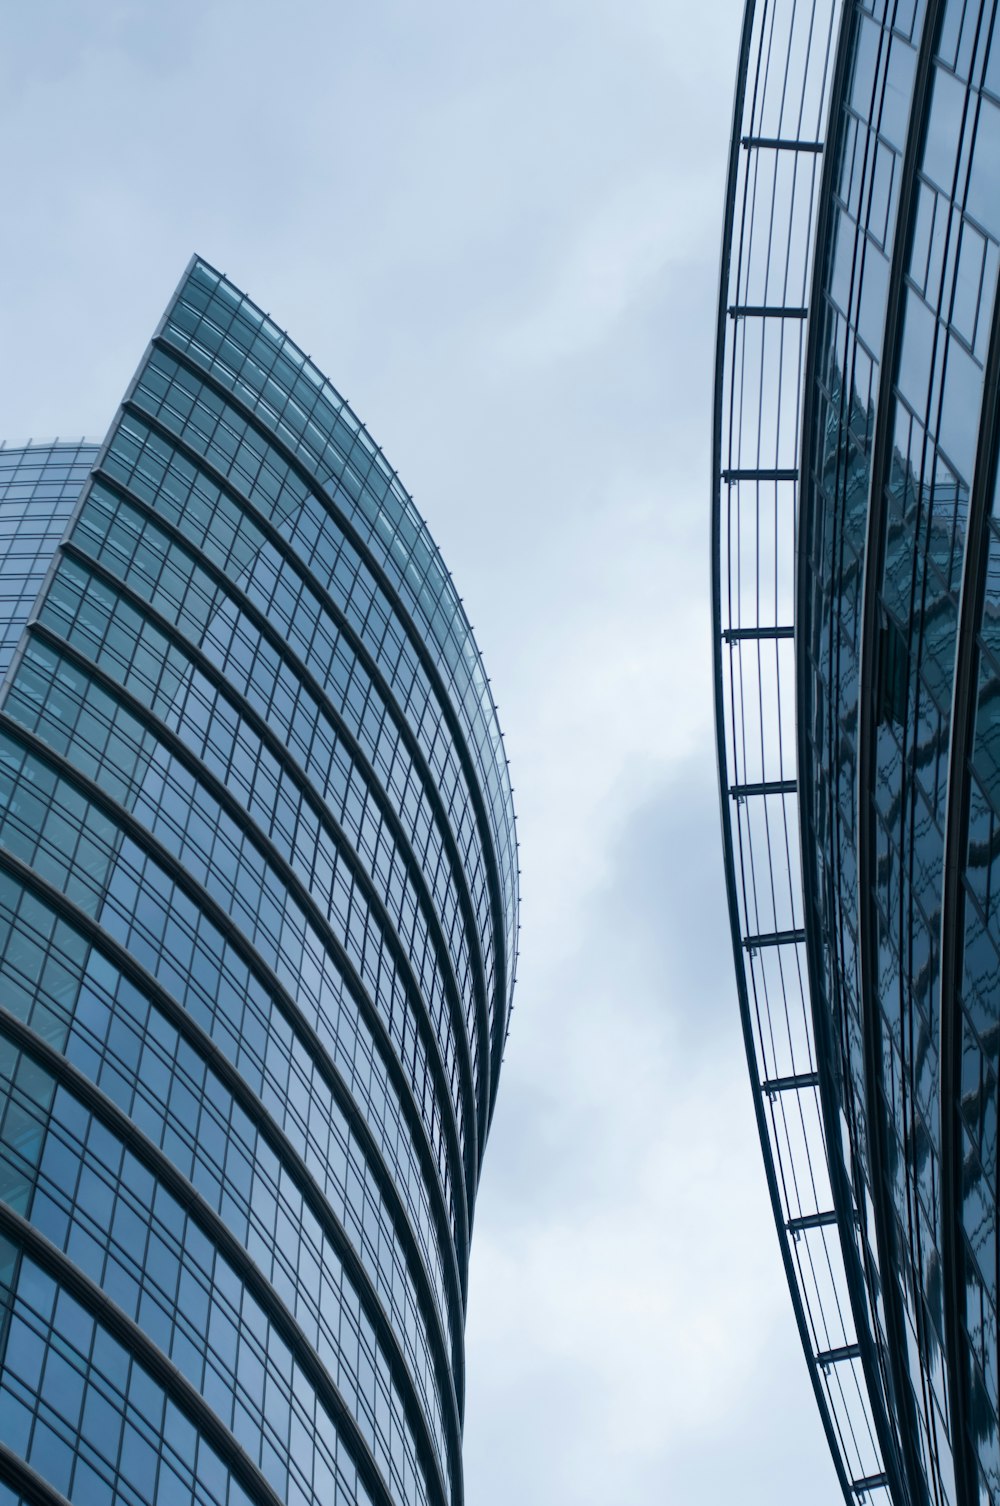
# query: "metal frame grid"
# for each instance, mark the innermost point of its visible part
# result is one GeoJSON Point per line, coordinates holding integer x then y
{"type": "Point", "coordinates": [784, 87]}
{"type": "Point", "coordinates": [393, 530]}
{"type": "Point", "coordinates": [39, 486]}
{"type": "Point", "coordinates": [238, 886]}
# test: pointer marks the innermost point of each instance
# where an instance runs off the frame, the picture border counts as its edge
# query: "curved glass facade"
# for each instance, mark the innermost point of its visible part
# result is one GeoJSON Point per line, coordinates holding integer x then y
{"type": "Point", "coordinates": [39, 487]}
{"type": "Point", "coordinates": [893, 463]}
{"type": "Point", "coordinates": [258, 912]}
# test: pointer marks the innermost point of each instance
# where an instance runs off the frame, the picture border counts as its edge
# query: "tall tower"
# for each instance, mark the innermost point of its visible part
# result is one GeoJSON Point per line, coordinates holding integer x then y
{"type": "Point", "coordinates": [857, 592]}
{"type": "Point", "coordinates": [258, 916]}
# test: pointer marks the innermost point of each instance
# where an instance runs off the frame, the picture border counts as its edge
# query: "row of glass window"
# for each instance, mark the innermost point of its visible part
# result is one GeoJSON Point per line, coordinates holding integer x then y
{"type": "Point", "coordinates": [166, 575]}
{"type": "Point", "coordinates": [980, 1044]}
{"type": "Point", "coordinates": [191, 959]}
{"type": "Point", "coordinates": [912, 741]}
{"type": "Point", "coordinates": [214, 430]}
{"type": "Point", "coordinates": [49, 470]}
{"type": "Point", "coordinates": [87, 1192]}
{"type": "Point", "coordinates": [75, 846]}
{"type": "Point", "coordinates": [948, 302]}
{"type": "Point", "coordinates": [65, 840]}
{"type": "Point", "coordinates": [104, 742]}
{"type": "Point", "coordinates": [937, 258]}
{"type": "Point", "coordinates": [89, 1417]}
{"type": "Point", "coordinates": [198, 418]}
{"type": "Point", "coordinates": [121, 640]}
{"type": "Point", "coordinates": [960, 162]}
{"type": "Point", "coordinates": [291, 1137]}
{"type": "Point", "coordinates": [298, 611]}
{"type": "Point", "coordinates": [353, 909]}
{"type": "Point", "coordinates": [868, 137]}
{"type": "Point", "coordinates": [263, 369]}
{"type": "Point", "coordinates": [231, 535]}
{"type": "Point", "coordinates": [225, 534]}
{"type": "Point", "coordinates": [39, 488]}
{"type": "Point", "coordinates": [55, 699]}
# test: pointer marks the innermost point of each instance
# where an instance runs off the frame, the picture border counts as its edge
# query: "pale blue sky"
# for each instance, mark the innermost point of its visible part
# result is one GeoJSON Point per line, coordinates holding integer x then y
{"type": "Point", "coordinates": [497, 229]}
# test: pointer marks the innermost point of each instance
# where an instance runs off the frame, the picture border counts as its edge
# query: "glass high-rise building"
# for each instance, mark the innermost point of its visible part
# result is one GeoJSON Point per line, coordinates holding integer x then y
{"type": "Point", "coordinates": [857, 600]}
{"type": "Point", "coordinates": [258, 920]}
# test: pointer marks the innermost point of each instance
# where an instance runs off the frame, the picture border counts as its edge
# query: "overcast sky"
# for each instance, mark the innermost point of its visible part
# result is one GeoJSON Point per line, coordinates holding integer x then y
{"type": "Point", "coordinates": [496, 227]}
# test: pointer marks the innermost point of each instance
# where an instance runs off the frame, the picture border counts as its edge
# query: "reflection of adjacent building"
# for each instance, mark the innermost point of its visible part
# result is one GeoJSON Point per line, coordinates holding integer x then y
{"type": "Point", "coordinates": [257, 913]}
{"type": "Point", "coordinates": [897, 677]}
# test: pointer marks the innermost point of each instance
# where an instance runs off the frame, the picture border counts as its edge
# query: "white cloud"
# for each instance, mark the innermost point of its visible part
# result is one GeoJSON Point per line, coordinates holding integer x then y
{"type": "Point", "coordinates": [646, 227]}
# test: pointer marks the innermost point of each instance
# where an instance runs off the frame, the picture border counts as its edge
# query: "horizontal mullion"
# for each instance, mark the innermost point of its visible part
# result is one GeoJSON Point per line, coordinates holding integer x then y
{"type": "Point", "coordinates": [795, 1082]}
{"type": "Point", "coordinates": [761, 473]}
{"type": "Point", "coordinates": [104, 1111]}
{"type": "Point", "coordinates": [869, 1482]}
{"type": "Point", "coordinates": [419, 639]}
{"type": "Point", "coordinates": [285, 1002]}
{"type": "Point", "coordinates": [780, 144]}
{"type": "Point", "coordinates": [373, 669]}
{"type": "Point", "coordinates": [200, 894]}
{"type": "Point", "coordinates": [308, 791]}
{"type": "Point", "coordinates": [839, 1356]}
{"type": "Point", "coordinates": [34, 1490]}
{"type": "Point", "coordinates": [221, 792]}
{"type": "Point", "coordinates": [763, 787]}
{"type": "Point", "coordinates": [165, 1374]}
{"type": "Point", "coordinates": [773, 938]}
{"type": "Point", "coordinates": [750, 634]}
{"type": "Point", "coordinates": [812, 1221]}
{"type": "Point", "coordinates": [767, 311]}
